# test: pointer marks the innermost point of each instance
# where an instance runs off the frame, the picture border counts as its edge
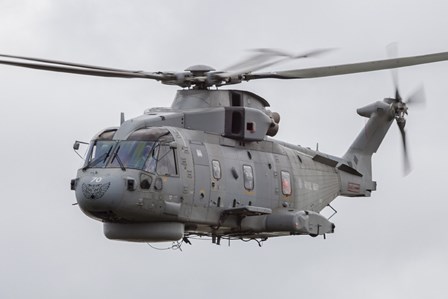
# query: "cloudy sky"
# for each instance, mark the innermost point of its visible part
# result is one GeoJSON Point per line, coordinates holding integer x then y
{"type": "Point", "coordinates": [392, 245]}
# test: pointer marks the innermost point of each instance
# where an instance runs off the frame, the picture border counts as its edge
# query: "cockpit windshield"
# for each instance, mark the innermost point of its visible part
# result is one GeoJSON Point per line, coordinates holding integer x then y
{"type": "Point", "coordinates": [132, 154]}
{"type": "Point", "coordinates": [99, 153]}
{"type": "Point", "coordinates": [147, 149]}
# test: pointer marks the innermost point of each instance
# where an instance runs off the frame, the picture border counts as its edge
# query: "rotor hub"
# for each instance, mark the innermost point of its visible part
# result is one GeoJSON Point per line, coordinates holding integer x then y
{"type": "Point", "coordinates": [401, 109]}
{"type": "Point", "coordinates": [199, 69]}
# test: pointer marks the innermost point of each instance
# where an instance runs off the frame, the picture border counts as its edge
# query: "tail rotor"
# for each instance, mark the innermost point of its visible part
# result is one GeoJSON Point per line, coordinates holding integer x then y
{"type": "Point", "coordinates": [400, 106]}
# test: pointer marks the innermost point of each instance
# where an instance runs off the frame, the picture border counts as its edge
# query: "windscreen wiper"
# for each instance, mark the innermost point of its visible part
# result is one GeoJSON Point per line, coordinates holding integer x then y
{"type": "Point", "coordinates": [95, 161]}
{"type": "Point", "coordinates": [118, 160]}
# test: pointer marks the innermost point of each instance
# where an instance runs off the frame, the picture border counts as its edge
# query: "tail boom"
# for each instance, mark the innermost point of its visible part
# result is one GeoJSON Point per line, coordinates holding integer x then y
{"type": "Point", "coordinates": [359, 155]}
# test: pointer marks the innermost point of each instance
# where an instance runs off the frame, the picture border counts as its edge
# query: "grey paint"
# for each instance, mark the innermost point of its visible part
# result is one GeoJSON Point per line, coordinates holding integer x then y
{"type": "Point", "coordinates": [50, 247]}
{"type": "Point", "coordinates": [250, 198]}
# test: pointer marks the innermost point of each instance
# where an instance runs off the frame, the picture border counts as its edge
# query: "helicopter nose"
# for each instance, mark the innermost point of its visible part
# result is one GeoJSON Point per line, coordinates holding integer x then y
{"type": "Point", "coordinates": [99, 195]}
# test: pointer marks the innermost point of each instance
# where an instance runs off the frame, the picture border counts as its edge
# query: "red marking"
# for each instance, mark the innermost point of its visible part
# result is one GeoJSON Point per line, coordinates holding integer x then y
{"type": "Point", "coordinates": [353, 187]}
{"type": "Point", "coordinates": [286, 187]}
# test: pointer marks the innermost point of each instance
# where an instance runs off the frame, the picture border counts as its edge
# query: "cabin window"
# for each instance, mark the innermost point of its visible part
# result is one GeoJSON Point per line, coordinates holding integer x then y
{"type": "Point", "coordinates": [216, 167]}
{"type": "Point", "coordinates": [286, 183]}
{"type": "Point", "coordinates": [248, 175]}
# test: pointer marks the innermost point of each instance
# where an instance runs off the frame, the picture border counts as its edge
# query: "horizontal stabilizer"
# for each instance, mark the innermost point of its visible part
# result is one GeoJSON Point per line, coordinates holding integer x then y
{"type": "Point", "coordinates": [351, 170]}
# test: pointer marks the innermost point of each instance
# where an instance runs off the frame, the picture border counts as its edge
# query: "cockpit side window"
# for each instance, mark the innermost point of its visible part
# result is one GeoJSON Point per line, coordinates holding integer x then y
{"type": "Point", "coordinates": [166, 161]}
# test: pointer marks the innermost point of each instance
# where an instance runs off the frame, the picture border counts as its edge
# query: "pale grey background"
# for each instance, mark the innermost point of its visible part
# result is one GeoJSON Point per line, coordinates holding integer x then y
{"type": "Point", "coordinates": [393, 245]}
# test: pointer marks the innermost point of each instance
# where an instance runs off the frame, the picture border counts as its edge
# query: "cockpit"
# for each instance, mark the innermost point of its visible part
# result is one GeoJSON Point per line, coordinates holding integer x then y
{"type": "Point", "coordinates": [151, 150]}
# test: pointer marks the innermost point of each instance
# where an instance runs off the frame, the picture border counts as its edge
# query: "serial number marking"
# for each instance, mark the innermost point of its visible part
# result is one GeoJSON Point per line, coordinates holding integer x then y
{"type": "Point", "coordinates": [97, 179]}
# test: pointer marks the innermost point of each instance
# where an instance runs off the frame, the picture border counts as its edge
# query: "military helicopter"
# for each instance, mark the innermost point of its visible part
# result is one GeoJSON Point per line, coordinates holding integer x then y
{"type": "Point", "coordinates": [208, 166]}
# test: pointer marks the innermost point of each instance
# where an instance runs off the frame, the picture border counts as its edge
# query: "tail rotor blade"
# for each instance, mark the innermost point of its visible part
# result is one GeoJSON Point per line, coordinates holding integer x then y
{"type": "Point", "coordinates": [406, 161]}
{"type": "Point", "coordinates": [418, 97]}
{"type": "Point", "coordinates": [392, 53]}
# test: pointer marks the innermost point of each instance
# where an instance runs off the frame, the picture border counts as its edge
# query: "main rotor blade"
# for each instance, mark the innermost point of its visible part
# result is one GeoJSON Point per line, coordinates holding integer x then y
{"type": "Point", "coordinates": [268, 57]}
{"type": "Point", "coordinates": [352, 68]}
{"type": "Point", "coordinates": [58, 62]}
{"type": "Point", "coordinates": [255, 60]}
{"type": "Point", "coordinates": [80, 69]}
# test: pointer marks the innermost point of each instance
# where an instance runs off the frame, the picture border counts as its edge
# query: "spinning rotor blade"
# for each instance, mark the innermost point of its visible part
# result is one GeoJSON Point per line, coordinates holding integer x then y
{"type": "Point", "coordinates": [406, 162]}
{"type": "Point", "coordinates": [280, 53]}
{"type": "Point", "coordinates": [392, 52]}
{"type": "Point", "coordinates": [207, 78]}
{"type": "Point", "coordinates": [401, 107]}
{"type": "Point", "coordinates": [267, 57]}
{"type": "Point", "coordinates": [350, 68]}
{"type": "Point", "coordinates": [418, 97]}
{"type": "Point", "coordinates": [80, 69]}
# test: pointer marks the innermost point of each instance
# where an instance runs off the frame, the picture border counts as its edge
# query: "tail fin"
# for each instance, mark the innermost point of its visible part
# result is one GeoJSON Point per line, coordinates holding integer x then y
{"type": "Point", "coordinates": [359, 155]}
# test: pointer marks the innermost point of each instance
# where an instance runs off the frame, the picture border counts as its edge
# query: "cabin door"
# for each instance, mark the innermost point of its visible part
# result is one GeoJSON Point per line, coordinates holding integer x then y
{"type": "Point", "coordinates": [202, 180]}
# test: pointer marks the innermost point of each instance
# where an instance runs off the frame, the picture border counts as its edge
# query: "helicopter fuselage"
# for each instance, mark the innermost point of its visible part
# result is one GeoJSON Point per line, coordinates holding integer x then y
{"type": "Point", "coordinates": [162, 179]}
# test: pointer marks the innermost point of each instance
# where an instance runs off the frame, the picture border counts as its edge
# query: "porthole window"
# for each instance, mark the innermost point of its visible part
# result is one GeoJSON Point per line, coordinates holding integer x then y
{"type": "Point", "coordinates": [248, 174]}
{"type": "Point", "coordinates": [216, 167]}
{"type": "Point", "coordinates": [286, 183]}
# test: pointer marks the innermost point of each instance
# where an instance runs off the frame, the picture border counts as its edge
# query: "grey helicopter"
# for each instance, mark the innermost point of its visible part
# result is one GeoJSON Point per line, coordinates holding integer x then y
{"type": "Point", "coordinates": [208, 166]}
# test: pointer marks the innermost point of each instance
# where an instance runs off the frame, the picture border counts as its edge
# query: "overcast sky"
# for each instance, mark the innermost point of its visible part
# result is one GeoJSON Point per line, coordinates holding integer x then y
{"type": "Point", "coordinates": [392, 245]}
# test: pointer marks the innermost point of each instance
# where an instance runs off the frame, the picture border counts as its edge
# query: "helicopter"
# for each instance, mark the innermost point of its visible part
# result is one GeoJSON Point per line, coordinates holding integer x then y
{"type": "Point", "coordinates": [209, 166]}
